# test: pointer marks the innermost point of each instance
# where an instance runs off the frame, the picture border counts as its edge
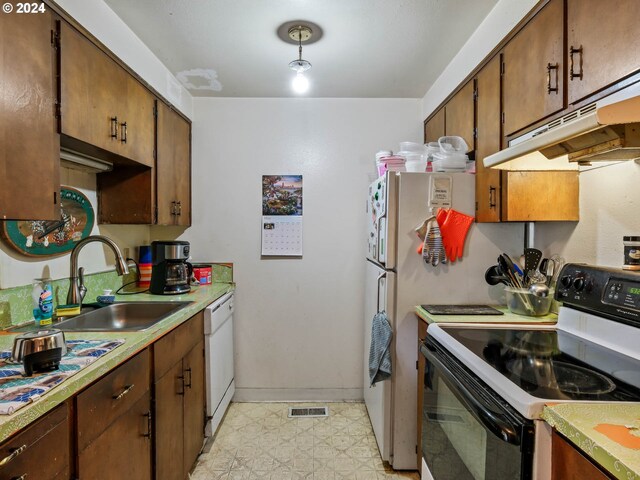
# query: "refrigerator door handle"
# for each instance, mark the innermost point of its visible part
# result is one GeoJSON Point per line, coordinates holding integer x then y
{"type": "Point", "coordinates": [380, 277]}
{"type": "Point", "coordinates": [380, 247]}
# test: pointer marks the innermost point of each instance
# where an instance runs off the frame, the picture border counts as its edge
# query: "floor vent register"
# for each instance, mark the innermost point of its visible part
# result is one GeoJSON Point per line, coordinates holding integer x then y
{"type": "Point", "coordinates": [306, 412]}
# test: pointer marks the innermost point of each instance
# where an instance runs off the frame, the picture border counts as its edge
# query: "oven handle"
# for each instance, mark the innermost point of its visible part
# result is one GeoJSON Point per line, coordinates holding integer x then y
{"type": "Point", "coordinates": [500, 427]}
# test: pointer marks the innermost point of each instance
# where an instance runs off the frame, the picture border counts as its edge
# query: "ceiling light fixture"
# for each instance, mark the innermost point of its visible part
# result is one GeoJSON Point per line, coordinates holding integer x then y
{"type": "Point", "coordinates": [300, 33]}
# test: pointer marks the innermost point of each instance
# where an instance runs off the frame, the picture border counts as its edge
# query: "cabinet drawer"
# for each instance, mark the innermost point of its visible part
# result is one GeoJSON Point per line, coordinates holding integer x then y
{"type": "Point", "coordinates": [176, 344]}
{"type": "Point", "coordinates": [41, 451]}
{"type": "Point", "coordinates": [108, 398]}
{"type": "Point", "coordinates": [122, 451]}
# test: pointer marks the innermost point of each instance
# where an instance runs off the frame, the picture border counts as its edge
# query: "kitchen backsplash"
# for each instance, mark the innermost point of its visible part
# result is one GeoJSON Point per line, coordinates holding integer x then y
{"type": "Point", "coordinates": [16, 303]}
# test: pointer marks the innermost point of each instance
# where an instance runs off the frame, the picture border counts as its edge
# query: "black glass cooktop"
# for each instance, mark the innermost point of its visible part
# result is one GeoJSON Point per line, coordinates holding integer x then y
{"type": "Point", "coordinates": [553, 364]}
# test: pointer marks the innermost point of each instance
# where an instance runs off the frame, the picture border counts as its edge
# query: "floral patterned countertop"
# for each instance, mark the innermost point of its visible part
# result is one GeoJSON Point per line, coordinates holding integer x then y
{"type": "Point", "coordinates": [507, 317]}
{"type": "Point", "coordinates": [134, 342]}
{"type": "Point", "coordinates": [609, 433]}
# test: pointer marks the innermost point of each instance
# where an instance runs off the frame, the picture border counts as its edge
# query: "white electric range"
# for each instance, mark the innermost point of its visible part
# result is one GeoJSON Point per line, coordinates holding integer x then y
{"type": "Point", "coordinates": [486, 386]}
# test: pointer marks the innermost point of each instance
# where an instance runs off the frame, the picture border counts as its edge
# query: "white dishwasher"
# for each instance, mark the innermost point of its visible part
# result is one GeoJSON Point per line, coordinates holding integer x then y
{"type": "Point", "coordinates": [218, 338]}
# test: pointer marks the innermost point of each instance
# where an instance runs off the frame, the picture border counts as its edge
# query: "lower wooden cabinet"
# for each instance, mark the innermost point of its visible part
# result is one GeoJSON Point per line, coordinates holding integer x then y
{"type": "Point", "coordinates": [179, 399]}
{"type": "Point", "coordinates": [568, 463]}
{"type": "Point", "coordinates": [114, 421]}
{"type": "Point", "coordinates": [42, 450]}
{"type": "Point", "coordinates": [123, 450]}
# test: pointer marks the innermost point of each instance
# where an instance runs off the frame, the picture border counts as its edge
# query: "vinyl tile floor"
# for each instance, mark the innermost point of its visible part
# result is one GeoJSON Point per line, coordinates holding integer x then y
{"type": "Point", "coordinates": [259, 441]}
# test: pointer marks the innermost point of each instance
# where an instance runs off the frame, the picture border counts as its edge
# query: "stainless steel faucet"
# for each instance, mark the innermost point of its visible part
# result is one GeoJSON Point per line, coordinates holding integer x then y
{"type": "Point", "coordinates": [77, 290]}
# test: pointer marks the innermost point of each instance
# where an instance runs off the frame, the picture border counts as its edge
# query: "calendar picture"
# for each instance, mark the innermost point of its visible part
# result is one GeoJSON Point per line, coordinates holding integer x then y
{"type": "Point", "coordinates": [282, 215]}
{"type": "Point", "coordinates": [282, 195]}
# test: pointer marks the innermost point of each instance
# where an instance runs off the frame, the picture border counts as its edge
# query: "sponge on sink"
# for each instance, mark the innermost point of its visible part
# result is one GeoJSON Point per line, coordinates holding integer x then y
{"type": "Point", "coordinates": [66, 310]}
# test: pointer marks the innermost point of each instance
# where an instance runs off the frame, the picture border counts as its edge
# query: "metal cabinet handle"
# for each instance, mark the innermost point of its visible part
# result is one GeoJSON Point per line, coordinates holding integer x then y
{"type": "Point", "coordinates": [148, 434]}
{"type": "Point", "coordinates": [174, 208]}
{"type": "Point", "coordinates": [114, 127]}
{"type": "Point", "coordinates": [549, 87]}
{"type": "Point", "coordinates": [123, 132]}
{"type": "Point", "coordinates": [573, 51]}
{"type": "Point", "coordinates": [13, 455]}
{"type": "Point", "coordinates": [380, 277]}
{"type": "Point", "coordinates": [179, 207]}
{"type": "Point", "coordinates": [188, 370]}
{"type": "Point", "coordinates": [492, 197]}
{"type": "Point", "coordinates": [181, 378]}
{"type": "Point", "coordinates": [126, 390]}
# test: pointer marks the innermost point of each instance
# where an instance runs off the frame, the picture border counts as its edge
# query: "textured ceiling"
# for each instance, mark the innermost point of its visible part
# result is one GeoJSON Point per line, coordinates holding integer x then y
{"type": "Point", "coordinates": [369, 48]}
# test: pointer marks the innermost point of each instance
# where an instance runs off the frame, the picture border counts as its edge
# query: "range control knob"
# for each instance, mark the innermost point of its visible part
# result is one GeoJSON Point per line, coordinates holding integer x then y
{"type": "Point", "coordinates": [566, 281]}
{"type": "Point", "coordinates": [578, 283]}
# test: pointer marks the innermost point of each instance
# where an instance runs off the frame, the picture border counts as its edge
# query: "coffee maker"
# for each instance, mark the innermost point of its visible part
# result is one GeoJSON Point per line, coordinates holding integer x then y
{"type": "Point", "coordinates": [170, 271]}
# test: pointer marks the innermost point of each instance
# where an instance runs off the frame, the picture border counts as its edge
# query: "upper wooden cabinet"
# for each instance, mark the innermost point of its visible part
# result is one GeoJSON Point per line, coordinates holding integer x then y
{"type": "Point", "coordinates": [533, 82]}
{"type": "Point", "coordinates": [173, 175]}
{"type": "Point", "coordinates": [603, 44]}
{"type": "Point", "coordinates": [30, 146]}
{"type": "Point", "coordinates": [459, 115]}
{"type": "Point", "coordinates": [434, 128]}
{"type": "Point", "coordinates": [488, 185]}
{"type": "Point", "coordinates": [102, 105]}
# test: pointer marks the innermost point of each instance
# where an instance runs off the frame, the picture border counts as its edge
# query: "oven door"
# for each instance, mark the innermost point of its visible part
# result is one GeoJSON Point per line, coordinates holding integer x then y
{"type": "Point", "coordinates": [468, 432]}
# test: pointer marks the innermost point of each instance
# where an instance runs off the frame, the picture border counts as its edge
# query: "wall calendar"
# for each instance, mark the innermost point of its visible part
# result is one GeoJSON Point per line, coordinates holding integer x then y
{"type": "Point", "coordinates": [281, 215]}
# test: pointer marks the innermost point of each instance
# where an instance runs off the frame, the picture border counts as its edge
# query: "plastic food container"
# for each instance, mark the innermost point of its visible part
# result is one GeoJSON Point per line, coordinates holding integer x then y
{"type": "Point", "coordinates": [394, 163]}
{"type": "Point", "coordinates": [415, 162]}
{"type": "Point", "coordinates": [523, 302]}
{"type": "Point", "coordinates": [449, 162]}
{"type": "Point", "coordinates": [453, 144]}
{"type": "Point", "coordinates": [411, 147]}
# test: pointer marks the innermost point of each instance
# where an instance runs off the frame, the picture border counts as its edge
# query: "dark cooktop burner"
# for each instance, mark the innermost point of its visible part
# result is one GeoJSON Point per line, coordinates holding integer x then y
{"type": "Point", "coordinates": [553, 364]}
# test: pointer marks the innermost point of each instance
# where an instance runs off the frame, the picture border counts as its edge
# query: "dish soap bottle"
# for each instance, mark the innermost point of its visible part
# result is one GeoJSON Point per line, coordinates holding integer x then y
{"type": "Point", "coordinates": [42, 295]}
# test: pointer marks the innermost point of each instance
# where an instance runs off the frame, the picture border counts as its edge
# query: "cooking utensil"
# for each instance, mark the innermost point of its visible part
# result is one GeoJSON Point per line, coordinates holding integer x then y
{"type": "Point", "coordinates": [507, 266]}
{"type": "Point", "coordinates": [539, 289]}
{"type": "Point", "coordinates": [494, 276]}
{"type": "Point", "coordinates": [39, 351]}
{"type": "Point", "coordinates": [532, 257]}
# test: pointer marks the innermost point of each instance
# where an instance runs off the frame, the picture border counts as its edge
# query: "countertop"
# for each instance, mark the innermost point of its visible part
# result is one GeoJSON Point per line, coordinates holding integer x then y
{"type": "Point", "coordinates": [609, 433]}
{"type": "Point", "coordinates": [508, 317]}
{"type": "Point", "coordinates": [134, 342]}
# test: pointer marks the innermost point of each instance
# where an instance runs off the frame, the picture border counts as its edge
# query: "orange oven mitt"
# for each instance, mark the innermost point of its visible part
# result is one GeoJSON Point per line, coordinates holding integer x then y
{"type": "Point", "coordinates": [453, 227]}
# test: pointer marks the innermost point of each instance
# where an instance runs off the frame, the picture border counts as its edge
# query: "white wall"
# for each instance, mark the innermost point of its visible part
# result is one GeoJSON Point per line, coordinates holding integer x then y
{"type": "Point", "coordinates": [609, 205]}
{"type": "Point", "coordinates": [503, 17]}
{"type": "Point", "coordinates": [106, 26]}
{"type": "Point", "coordinates": [298, 322]}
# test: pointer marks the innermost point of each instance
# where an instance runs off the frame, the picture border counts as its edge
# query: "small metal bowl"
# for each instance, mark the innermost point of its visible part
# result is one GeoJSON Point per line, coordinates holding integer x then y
{"type": "Point", "coordinates": [38, 351]}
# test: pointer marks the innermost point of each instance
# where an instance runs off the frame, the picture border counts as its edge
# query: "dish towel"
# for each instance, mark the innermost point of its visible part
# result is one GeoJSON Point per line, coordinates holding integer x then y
{"type": "Point", "coordinates": [379, 351]}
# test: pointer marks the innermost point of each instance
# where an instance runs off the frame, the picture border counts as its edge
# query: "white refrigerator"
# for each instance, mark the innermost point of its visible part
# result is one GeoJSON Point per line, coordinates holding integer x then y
{"type": "Point", "coordinates": [397, 279]}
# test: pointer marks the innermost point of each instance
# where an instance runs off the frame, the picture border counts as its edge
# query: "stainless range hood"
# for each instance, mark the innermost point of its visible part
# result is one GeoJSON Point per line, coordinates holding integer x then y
{"type": "Point", "coordinates": [606, 130]}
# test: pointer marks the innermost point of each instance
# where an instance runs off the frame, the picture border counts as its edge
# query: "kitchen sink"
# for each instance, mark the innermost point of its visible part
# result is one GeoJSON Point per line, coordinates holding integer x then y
{"type": "Point", "coordinates": [126, 316]}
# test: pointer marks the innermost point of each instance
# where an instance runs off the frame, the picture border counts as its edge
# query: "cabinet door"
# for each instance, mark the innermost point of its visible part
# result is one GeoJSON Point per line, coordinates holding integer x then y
{"type": "Point", "coordinates": [194, 412]}
{"type": "Point", "coordinates": [41, 451]}
{"type": "Point", "coordinates": [173, 168]}
{"type": "Point", "coordinates": [609, 35]}
{"type": "Point", "coordinates": [137, 138]}
{"type": "Point", "coordinates": [488, 142]}
{"type": "Point", "coordinates": [124, 449]}
{"type": "Point", "coordinates": [93, 88]}
{"type": "Point", "coordinates": [568, 463]}
{"type": "Point", "coordinates": [170, 424]}
{"type": "Point", "coordinates": [99, 405]}
{"type": "Point", "coordinates": [434, 128]}
{"type": "Point", "coordinates": [30, 146]}
{"type": "Point", "coordinates": [533, 82]}
{"type": "Point", "coordinates": [459, 118]}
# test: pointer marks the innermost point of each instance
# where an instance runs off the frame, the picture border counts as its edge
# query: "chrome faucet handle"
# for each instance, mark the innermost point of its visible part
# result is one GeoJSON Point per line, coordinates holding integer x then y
{"type": "Point", "coordinates": [81, 288]}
